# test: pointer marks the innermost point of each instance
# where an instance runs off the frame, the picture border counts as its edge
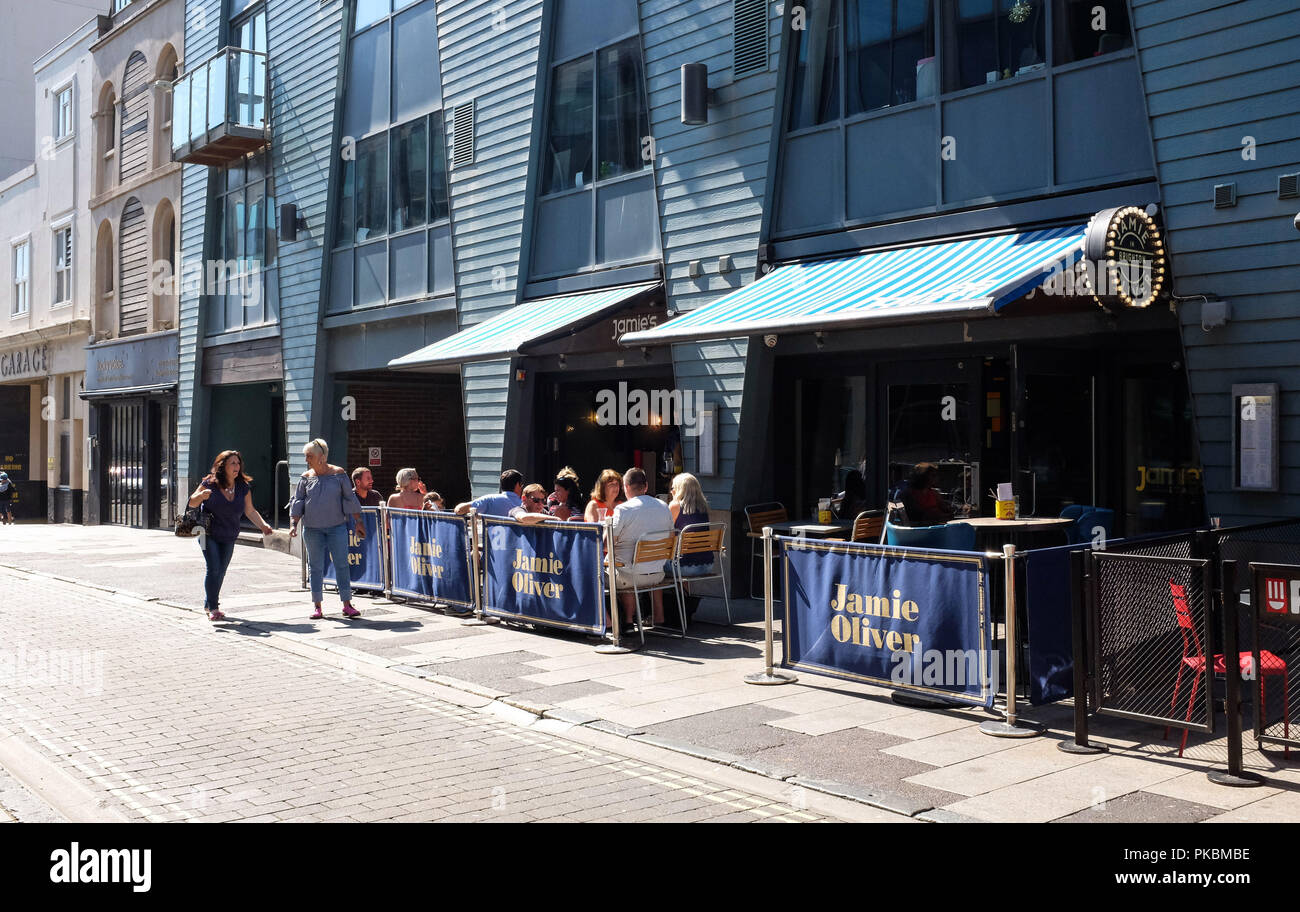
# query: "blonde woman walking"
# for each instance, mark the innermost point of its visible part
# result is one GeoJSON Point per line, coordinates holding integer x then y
{"type": "Point", "coordinates": [327, 507]}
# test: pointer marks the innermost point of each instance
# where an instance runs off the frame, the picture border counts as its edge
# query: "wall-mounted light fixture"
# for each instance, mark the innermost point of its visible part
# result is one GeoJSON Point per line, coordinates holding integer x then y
{"type": "Point", "coordinates": [291, 222]}
{"type": "Point", "coordinates": [697, 97]}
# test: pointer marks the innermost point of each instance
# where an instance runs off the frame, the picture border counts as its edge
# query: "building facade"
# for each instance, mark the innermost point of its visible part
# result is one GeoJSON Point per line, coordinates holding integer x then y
{"type": "Point", "coordinates": [469, 224]}
{"type": "Point", "coordinates": [45, 275]}
{"type": "Point", "coordinates": [132, 363]}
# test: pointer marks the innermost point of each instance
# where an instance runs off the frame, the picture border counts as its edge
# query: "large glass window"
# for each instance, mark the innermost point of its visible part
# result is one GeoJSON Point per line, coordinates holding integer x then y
{"type": "Point", "coordinates": [991, 40]}
{"type": "Point", "coordinates": [242, 283]}
{"type": "Point", "coordinates": [393, 185]}
{"type": "Point", "coordinates": [1089, 28]}
{"type": "Point", "coordinates": [567, 156]}
{"type": "Point", "coordinates": [889, 53]}
{"type": "Point", "coordinates": [815, 90]}
{"type": "Point", "coordinates": [624, 120]}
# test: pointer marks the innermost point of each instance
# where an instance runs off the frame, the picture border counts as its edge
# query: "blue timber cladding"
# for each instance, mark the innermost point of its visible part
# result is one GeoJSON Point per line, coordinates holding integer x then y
{"type": "Point", "coordinates": [202, 25]}
{"type": "Point", "coordinates": [305, 39]}
{"type": "Point", "coordinates": [1216, 73]}
{"type": "Point", "coordinates": [711, 184]}
{"type": "Point", "coordinates": [489, 53]}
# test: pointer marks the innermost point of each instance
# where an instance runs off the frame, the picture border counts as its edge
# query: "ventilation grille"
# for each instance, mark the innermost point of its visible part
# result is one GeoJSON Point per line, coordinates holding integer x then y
{"type": "Point", "coordinates": [1225, 195]}
{"type": "Point", "coordinates": [1288, 186]}
{"type": "Point", "coordinates": [749, 37]}
{"type": "Point", "coordinates": [462, 135]}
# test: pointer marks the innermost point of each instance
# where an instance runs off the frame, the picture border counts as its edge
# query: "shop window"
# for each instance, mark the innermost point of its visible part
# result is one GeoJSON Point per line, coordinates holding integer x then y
{"type": "Point", "coordinates": [815, 89]}
{"type": "Point", "coordinates": [990, 40]}
{"type": "Point", "coordinates": [889, 53]}
{"type": "Point", "coordinates": [1089, 28]}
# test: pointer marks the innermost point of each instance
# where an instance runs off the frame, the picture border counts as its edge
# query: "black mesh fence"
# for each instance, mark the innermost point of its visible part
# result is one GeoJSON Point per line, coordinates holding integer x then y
{"type": "Point", "coordinates": [1273, 611]}
{"type": "Point", "coordinates": [1151, 619]}
{"type": "Point", "coordinates": [1263, 543]}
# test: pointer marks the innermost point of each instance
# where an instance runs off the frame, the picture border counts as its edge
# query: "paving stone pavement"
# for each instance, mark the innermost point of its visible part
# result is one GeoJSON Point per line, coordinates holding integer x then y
{"type": "Point", "coordinates": [842, 737]}
{"type": "Point", "coordinates": [177, 720]}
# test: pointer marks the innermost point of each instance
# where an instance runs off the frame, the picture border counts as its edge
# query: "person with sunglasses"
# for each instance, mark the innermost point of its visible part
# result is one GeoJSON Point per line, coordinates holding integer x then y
{"type": "Point", "coordinates": [533, 508]}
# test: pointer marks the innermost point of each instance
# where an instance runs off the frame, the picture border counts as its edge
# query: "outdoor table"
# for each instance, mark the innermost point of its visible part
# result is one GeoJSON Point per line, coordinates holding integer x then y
{"type": "Point", "coordinates": [811, 529]}
{"type": "Point", "coordinates": [1024, 532]}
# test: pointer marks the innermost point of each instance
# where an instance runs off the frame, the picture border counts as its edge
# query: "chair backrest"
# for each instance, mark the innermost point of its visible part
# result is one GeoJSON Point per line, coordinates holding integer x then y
{"type": "Point", "coordinates": [1186, 626]}
{"type": "Point", "coordinates": [653, 548]}
{"type": "Point", "coordinates": [1074, 511]}
{"type": "Point", "coordinates": [764, 514]}
{"type": "Point", "coordinates": [701, 538]}
{"type": "Point", "coordinates": [947, 537]}
{"type": "Point", "coordinates": [1081, 530]}
{"type": "Point", "coordinates": [868, 526]}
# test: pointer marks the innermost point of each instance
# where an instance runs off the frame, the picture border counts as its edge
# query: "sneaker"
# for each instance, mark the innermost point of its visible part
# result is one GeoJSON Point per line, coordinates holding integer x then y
{"type": "Point", "coordinates": [216, 616]}
{"type": "Point", "coordinates": [317, 614]}
{"type": "Point", "coordinates": [349, 611]}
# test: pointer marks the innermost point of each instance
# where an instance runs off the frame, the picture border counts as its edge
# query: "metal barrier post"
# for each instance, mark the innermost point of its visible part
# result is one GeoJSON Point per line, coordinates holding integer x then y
{"type": "Point", "coordinates": [615, 647]}
{"type": "Point", "coordinates": [1229, 606]}
{"type": "Point", "coordinates": [302, 550]}
{"type": "Point", "coordinates": [275, 494]}
{"type": "Point", "coordinates": [386, 551]}
{"type": "Point", "coordinates": [1078, 618]}
{"type": "Point", "coordinates": [769, 675]}
{"type": "Point", "coordinates": [476, 583]}
{"type": "Point", "coordinates": [1011, 728]}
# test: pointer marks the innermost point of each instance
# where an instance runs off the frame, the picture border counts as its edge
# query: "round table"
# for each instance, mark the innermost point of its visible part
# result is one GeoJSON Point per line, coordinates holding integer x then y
{"type": "Point", "coordinates": [989, 530]}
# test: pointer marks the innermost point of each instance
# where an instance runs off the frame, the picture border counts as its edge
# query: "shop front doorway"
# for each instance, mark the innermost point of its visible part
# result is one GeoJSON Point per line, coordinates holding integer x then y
{"type": "Point", "coordinates": [595, 423]}
{"type": "Point", "coordinates": [1055, 430]}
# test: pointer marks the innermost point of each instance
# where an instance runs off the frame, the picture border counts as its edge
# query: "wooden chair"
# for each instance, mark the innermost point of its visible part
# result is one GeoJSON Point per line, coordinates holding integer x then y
{"type": "Point", "coordinates": [869, 527]}
{"type": "Point", "coordinates": [756, 517]}
{"type": "Point", "coordinates": [701, 538]}
{"type": "Point", "coordinates": [653, 548]}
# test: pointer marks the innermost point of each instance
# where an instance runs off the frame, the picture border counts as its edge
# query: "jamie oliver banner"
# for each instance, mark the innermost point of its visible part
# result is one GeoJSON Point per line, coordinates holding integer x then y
{"type": "Point", "coordinates": [365, 558]}
{"type": "Point", "coordinates": [431, 556]}
{"type": "Point", "coordinates": [550, 573]}
{"type": "Point", "coordinates": [904, 619]}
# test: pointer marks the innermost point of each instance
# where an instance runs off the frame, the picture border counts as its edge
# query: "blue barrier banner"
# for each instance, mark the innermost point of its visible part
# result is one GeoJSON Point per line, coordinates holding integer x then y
{"type": "Point", "coordinates": [906, 619]}
{"type": "Point", "coordinates": [430, 558]}
{"type": "Point", "coordinates": [550, 573]}
{"type": "Point", "coordinates": [365, 556]}
{"type": "Point", "coordinates": [1051, 631]}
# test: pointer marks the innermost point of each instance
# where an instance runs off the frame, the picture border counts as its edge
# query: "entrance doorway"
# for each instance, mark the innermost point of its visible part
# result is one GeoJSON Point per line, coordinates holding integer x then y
{"type": "Point", "coordinates": [593, 423]}
{"type": "Point", "coordinates": [1055, 430]}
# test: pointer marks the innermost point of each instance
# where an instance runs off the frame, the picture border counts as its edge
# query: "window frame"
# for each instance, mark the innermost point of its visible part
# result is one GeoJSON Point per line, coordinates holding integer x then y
{"type": "Point", "coordinates": [23, 243]}
{"type": "Point", "coordinates": [266, 269]}
{"type": "Point", "coordinates": [59, 125]}
{"type": "Point", "coordinates": [57, 228]}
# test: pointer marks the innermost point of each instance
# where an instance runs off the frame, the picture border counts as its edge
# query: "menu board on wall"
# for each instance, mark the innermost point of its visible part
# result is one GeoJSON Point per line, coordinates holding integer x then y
{"type": "Point", "coordinates": [1255, 436]}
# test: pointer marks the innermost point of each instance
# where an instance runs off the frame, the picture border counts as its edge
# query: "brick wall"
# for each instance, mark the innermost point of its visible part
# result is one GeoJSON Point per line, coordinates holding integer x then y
{"type": "Point", "coordinates": [417, 425]}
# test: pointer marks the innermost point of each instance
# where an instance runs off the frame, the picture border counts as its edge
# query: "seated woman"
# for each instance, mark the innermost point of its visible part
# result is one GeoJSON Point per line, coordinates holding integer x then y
{"type": "Point", "coordinates": [410, 491]}
{"type": "Point", "coordinates": [605, 496]}
{"type": "Point", "coordinates": [921, 501]}
{"type": "Point", "coordinates": [433, 501]}
{"type": "Point", "coordinates": [689, 507]}
{"type": "Point", "coordinates": [853, 499]}
{"type": "Point", "coordinates": [565, 501]}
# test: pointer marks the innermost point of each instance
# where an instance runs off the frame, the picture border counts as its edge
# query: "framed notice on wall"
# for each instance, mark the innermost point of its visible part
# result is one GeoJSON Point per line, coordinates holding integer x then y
{"type": "Point", "coordinates": [1256, 416]}
{"type": "Point", "coordinates": [706, 440]}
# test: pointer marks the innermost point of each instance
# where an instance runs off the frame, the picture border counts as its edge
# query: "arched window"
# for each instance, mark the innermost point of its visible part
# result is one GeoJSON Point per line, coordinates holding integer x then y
{"type": "Point", "coordinates": [165, 75]}
{"type": "Point", "coordinates": [106, 132]}
{"type": "Point", "coordinates": [134, 147]}
{"type": "Point", "coordinates": [133, 270]}
{"type": "Point", "coordinates": [164, 259]}
{"type": "Point", "coordinates": [105, 270]}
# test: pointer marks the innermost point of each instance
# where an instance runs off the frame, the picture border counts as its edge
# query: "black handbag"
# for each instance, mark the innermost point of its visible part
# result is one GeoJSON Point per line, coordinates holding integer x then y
{"type": "Point", "coordinates": [193, 522]}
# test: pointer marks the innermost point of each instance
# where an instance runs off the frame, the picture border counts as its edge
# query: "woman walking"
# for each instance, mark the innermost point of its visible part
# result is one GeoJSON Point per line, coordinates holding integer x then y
{"type": "Point", "coordinates": [327, 507]}
{"type": "Point", "coordinates": [224, 495]}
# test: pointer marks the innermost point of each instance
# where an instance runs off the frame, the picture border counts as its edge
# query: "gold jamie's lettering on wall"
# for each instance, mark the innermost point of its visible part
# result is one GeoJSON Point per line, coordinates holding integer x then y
{"type": "Point", "coordinates": [851, 622]}
{"type": "Point", "coordinates": [425, 559]}
{"type": "Point", "coordinates": [524, 581]}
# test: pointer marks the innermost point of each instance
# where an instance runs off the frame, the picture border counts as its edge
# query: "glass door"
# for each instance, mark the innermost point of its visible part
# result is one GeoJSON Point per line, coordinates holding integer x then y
{"type": "Point", "coordinates": [1054, 430]}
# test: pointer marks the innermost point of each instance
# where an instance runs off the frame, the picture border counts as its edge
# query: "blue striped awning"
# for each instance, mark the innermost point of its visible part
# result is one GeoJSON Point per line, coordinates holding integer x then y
{"type": "Point", "coordinates": [972, 276]}
{"type": "Point", "coordinates": [529, 323]}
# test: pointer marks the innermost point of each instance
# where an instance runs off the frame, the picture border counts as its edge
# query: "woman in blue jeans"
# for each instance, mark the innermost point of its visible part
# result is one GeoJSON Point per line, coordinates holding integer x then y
{"type": "Point", "coordinates": [225, 496]}
{"type": "Point", "coordinates": [327, 507]}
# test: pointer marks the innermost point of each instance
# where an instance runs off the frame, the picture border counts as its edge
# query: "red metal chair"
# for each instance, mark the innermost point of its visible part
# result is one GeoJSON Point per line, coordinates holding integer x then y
{"type": "Point", "coordinates": [1194, 658]}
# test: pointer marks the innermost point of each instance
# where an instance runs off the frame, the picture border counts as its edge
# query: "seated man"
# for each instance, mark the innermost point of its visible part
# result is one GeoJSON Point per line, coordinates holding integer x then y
{"type": "Point", "coordinates": [639, 516]}
{"type": "Point", "coordinates": [922, 502]}
{"type": "Point", "coordinates": [500, 504]}
{"type": "Point", "coordinates": [363, 484]}
{"type": "Point", "coordinates": [533, 509]}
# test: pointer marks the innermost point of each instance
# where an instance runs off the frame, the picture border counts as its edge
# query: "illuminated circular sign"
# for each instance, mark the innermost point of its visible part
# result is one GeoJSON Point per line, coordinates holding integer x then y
{"type": "Point", "coordinates": [1125, 255]}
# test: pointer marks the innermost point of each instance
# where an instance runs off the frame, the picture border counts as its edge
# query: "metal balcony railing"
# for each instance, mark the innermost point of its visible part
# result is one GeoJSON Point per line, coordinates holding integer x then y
{"type": "Point", "coordinates": [219, 108]}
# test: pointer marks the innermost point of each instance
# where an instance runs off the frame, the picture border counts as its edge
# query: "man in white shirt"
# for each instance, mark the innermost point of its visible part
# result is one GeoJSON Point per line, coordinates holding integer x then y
{"type": "Point", "coordinates": [641, 516]}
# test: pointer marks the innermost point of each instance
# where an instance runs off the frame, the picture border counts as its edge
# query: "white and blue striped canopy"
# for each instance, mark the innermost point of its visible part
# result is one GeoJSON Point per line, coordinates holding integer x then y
{"type": "Point", "coordinates": [975, 275]}
{"type": "Point", "coordinates": [530, 322]}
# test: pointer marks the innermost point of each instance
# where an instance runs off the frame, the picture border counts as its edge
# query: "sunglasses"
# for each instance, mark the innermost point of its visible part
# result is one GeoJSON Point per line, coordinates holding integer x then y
{"type": "Point", "coordinates": [534, 499]}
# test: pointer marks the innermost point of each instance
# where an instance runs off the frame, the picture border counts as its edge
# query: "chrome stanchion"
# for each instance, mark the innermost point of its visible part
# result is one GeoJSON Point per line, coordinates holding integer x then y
{"type": "Point", "coordinates": [302, 551]}
{"type": "Point", "coordinates": [385, 548]}
{"type": "Point", "coordinates": [769, 675]}
{"type": "Point", "coordinates": [480, 617]}
{"type": "Point", "coordinates": [615, 647]}
{"type": "Point", "coordinates": [1011, 727]}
